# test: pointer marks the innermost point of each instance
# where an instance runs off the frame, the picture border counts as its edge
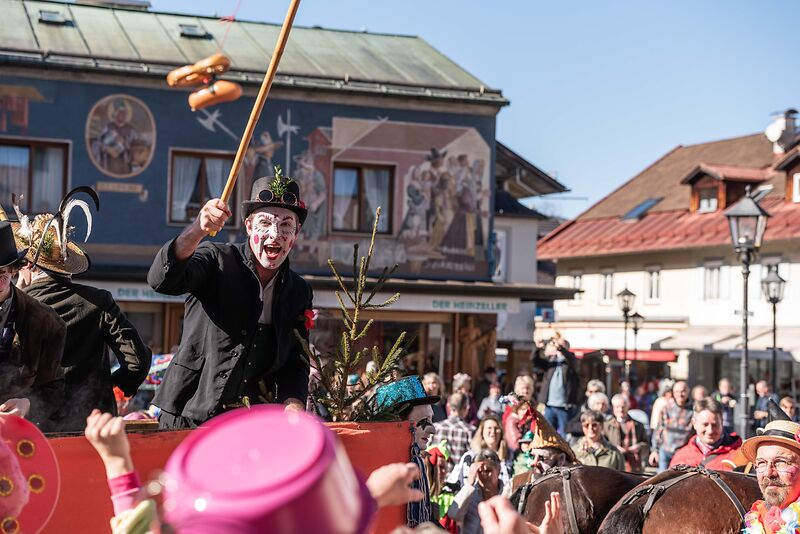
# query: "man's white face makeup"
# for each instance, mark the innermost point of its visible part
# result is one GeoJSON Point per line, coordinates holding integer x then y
{"type": "Point", "coordinates": [272, 233]}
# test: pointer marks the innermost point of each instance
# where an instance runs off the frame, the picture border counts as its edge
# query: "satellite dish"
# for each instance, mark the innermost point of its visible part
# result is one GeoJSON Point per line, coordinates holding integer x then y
{"type": "Point", "coordinates": [775, 130]}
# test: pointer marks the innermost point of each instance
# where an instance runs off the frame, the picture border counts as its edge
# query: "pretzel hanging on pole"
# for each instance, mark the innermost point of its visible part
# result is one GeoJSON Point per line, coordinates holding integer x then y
{"type": "Point", "coordinates": [283, 38]}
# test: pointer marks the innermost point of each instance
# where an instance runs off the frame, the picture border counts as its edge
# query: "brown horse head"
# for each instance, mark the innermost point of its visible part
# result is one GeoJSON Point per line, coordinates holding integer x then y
{"type": "Point", "coordinates": [683, 500]}
{"type": "Point", "coordinates": [593, 491]}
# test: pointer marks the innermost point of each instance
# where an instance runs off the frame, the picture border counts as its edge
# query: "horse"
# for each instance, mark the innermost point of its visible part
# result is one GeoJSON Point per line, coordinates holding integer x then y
{"type": "Point", "coordinates": [684, 499]}
{"type": "Point", "coordinates": [587, 494]}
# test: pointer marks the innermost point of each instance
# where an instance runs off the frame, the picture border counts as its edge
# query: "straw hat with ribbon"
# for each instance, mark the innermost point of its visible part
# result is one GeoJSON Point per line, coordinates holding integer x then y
{"type": "Point", "coordinates": [47, 236]}
{"type": "Point", "coordinates": [779, 431]}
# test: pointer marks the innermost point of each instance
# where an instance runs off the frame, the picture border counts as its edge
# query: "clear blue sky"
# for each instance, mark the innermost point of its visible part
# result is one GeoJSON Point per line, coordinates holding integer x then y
{"type": "Point", "coordinates": [598, 90]}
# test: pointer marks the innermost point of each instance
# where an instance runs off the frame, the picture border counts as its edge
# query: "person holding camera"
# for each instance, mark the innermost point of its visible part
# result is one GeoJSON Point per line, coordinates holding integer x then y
{"type": "Point", "coordinates": [559, 390]}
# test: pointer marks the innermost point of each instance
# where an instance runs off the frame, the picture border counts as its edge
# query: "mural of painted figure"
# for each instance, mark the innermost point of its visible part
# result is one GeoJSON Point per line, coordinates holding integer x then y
{"type": "Point", "coordinates": [415, 223]}
{"type": "Point", "coordinates": [444, 208]}
{"type": "Point", "coordinates": [314, 191]}
{"type": "Point", "coordinates": [120, 135]}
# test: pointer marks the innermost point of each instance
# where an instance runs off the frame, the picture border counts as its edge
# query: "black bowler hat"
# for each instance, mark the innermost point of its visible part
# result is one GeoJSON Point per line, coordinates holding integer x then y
{"type": "Point", "coordinates": [276, 191]}
{"type": "Point", "coordinates": [9, 254]}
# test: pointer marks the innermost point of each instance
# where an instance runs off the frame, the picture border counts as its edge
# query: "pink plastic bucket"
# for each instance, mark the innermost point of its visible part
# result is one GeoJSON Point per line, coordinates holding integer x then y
{"type": "Point", "coordinates": [260, 470]}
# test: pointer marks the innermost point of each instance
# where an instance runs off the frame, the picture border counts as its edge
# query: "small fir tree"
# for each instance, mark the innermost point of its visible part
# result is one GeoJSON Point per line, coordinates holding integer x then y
{"type": "Point", "coordinates": [356, 403]}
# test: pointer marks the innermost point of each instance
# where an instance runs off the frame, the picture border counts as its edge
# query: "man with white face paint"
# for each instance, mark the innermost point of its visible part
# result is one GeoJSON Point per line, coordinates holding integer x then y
{"type": "Point", "coordinates": [238, 346]}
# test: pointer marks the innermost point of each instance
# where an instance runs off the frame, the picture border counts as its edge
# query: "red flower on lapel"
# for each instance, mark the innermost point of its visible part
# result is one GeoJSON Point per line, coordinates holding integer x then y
{"type": "Point", "coordinates": [310, 318]}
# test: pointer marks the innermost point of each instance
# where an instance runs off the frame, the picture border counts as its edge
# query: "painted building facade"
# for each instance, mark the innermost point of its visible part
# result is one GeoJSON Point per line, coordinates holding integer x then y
{"type": "Point", "coordinates": [359, 120]}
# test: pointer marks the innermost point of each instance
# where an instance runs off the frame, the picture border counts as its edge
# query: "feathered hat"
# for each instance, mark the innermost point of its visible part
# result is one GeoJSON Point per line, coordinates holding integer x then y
{"type": "Point", "coordinates": [48, 236]}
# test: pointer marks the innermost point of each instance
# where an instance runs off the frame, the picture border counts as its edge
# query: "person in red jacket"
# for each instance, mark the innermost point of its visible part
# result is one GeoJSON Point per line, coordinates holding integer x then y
{"type": "Point", "coordinates": [710, 446]}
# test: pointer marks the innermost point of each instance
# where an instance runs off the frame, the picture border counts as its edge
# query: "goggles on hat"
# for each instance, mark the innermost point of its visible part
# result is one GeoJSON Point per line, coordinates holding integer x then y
{"type": "Point", "coordinates": [287, 198]}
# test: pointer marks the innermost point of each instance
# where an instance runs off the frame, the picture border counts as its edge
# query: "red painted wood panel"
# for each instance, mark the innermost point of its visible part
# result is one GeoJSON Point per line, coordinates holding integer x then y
{"type": "Point", "coordinates": [84, 504]}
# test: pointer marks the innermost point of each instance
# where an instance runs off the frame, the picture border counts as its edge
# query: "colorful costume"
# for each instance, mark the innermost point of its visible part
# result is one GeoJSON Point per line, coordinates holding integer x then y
{"type": "Point", "coordinates": [399, 398]}
{"type": "Point", "coordinates": [763, 519]}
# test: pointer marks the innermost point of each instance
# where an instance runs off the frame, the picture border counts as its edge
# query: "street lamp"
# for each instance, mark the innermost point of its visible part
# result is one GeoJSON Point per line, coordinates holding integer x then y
{"type": "Point", "coordinates": [772, 286]}
{"type": "Point", "coordinates": [636, 321]}
{"type": "Point", "coordinates": [626, 297]}
{"type": "Point", "coordinates": [747, 221]}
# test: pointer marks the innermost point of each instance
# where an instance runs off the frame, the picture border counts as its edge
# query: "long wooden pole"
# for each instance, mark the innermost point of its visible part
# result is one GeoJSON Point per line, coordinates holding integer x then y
{"type": "Point", "coordinates": [260, 99]}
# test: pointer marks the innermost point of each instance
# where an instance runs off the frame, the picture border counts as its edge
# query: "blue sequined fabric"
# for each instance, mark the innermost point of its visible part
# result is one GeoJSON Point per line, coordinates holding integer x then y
{"type": "Point", "coordinates": [401, 391]}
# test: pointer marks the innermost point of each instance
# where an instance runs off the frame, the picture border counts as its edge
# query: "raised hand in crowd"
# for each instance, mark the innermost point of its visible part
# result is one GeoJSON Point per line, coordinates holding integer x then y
{"type": "Point", "coordinates": [19, 407]}
{"type": "Point", "coordinates": [389, 484]}
{"type": "Point", "coordinates": [106, 433]}
{"type": "Point", "coordinates": [499, 517]}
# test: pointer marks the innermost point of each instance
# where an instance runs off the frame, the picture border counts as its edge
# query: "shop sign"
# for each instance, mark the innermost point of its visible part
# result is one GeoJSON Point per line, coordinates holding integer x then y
{"type": "Point", "coordinates": [437, 303]}
{"type": "Point", "coordinates": [135, 292]}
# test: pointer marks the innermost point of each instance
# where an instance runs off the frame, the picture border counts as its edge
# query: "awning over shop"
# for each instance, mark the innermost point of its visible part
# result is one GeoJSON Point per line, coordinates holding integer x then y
{"type": "Point", "coordinates": [640, 355]}
{"type": "Point", "coordinates": [699, 338]}
{"type": "Point", "coordinates": [728, 339]}
{"type": "Point", "coordinates": [520, 292]}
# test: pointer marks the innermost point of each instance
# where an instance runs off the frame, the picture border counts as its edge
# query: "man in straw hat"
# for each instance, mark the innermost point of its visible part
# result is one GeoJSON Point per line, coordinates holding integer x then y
{"type": "Point", "coordinates": [244, 305]}
{"type": "Point", "coordinates": [775, 455]}
{"type": "Point", "coordinates": [547, 448]}
{"type": "Point", "coordinates": [94, 320]}
{"type": "Point", "coordinates": [31, 343]}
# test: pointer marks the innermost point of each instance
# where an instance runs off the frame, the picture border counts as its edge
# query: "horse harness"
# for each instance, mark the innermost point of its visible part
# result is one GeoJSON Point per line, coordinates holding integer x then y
{"type": "Point", "coordinates": [654, 491]}
{"type": "Point", "coordinates": [565, 473]}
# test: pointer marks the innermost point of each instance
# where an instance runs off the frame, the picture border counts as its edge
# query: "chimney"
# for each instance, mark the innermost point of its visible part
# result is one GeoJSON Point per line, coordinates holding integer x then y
{"type": "Point", "coordinates": [782, 131]}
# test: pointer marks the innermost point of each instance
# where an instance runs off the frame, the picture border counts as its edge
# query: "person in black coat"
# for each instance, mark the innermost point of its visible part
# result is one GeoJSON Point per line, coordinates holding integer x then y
{"type": "Point", "coordinates": [93, 319]}
{"type": "Point", "coordinates": [244, 305]}
{"type": "Point", "coordinates": [31, 343]}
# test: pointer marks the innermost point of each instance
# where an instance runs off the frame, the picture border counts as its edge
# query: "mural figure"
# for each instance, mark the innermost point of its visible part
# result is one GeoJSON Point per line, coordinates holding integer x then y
{"type": "Point", "coordinates": [120, 134]}
{"type": "Point", "coordinates": [474, 341]}
{"type": "Point", "coordinates": [415, 223]}
{"type": "Point", "coordinates": [313, 189]}
{"type": "Point", "coordinates": [14, 103]}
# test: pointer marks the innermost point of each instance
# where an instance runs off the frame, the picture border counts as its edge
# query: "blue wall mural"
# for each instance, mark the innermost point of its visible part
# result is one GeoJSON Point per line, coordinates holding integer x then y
{"type": "Point", "coordinates": [152, 160]}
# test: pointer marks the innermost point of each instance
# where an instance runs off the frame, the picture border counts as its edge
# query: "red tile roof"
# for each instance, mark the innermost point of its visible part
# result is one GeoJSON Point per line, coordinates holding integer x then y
{"type": "Point", "coordinates": [663, 178]}
{"type": "Point", "coordinates": [667, 230]}
{"type": "Point", "coordinates": [669, 225]}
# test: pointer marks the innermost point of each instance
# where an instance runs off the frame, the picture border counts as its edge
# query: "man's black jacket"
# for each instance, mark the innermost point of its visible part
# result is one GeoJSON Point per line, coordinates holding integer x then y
{"type": "Point", "coordinates": [94, 322]}
{"type": "Point", "coordinates": [221, 318]}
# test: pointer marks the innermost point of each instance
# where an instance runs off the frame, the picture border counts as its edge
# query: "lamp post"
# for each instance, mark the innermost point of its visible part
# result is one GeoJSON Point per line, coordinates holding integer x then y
{"type": "Point", "coordinates": [626, 297]}
{"type": "Point", "coordinates": [772, 286]}
{"type": "Point", "coordinates": [636, 323]}
{"type": "Point", "coordinates": [747, 221]}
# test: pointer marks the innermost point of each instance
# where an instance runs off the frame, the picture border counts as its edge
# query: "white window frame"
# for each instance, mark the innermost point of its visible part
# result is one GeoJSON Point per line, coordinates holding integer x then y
{"type": "Point", "coordinates": [607, 274]}
{"type": "Point", "coordinates": [576, 282]}
{"type": "Point", "coordinates": [651, 270]}
{"type": "Point", "coordinates": [708, 208]}
{"type": "Point", "coordinates": [796, 187]}
{"type": "Point", "coordinates": [709, 267]}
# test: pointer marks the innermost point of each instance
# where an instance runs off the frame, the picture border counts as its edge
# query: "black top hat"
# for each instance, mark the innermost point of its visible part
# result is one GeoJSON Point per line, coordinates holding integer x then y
{"type": "Point", "coordinates": [275, 191]}
{"type": "Point", "coordinates": [435, 154]}
{"type": "Point", "coordinates": [9, 254]}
